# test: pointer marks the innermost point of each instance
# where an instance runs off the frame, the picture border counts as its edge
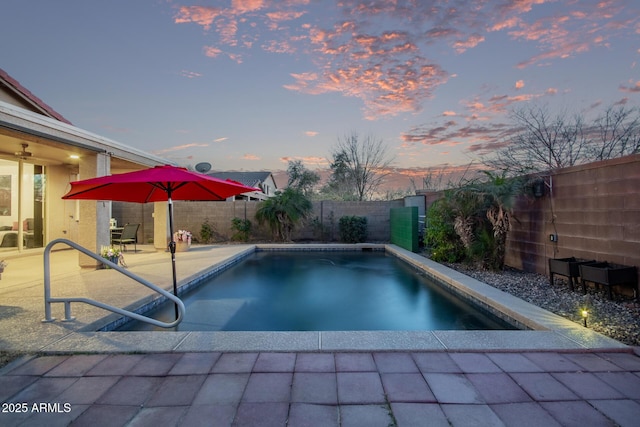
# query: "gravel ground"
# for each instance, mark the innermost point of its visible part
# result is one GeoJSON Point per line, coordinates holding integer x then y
{"type": "Point", "coordinates": [618, 319]}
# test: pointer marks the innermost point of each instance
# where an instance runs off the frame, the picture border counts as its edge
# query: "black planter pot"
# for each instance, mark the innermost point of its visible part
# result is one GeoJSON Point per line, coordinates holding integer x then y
{"type": "Point", "coordinates": [568, 267]}
{"type": "Point", "coordinates": [609, 274]}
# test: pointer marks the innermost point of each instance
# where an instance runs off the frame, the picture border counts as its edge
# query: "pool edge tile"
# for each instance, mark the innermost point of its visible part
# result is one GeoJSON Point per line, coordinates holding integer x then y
{"type": "Point", "coordinates": [250, 341]}
{"type": "Point", "coordinates": [379, 340]}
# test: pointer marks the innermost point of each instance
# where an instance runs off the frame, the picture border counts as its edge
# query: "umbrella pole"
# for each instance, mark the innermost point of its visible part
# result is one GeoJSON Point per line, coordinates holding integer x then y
{"type": "Point", "coordinates": [172, 249]}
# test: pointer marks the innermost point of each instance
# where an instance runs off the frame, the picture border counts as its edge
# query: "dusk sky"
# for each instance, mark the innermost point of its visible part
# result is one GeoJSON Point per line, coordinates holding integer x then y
{"type": "Point", "coordinates": [250, 84]}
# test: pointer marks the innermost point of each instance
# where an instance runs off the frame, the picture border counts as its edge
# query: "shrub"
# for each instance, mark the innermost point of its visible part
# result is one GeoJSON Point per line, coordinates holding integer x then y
{"type": "Point", "coordinates": [484, 249]}
{"type": "Point", "coordinates": [353, 229]}
{"type": "Point", "coordinates": [440, 237]}
{"type": "Point", "coordinates": [207, 233]}
{"type": "Point", "coordinates": [241, 228]}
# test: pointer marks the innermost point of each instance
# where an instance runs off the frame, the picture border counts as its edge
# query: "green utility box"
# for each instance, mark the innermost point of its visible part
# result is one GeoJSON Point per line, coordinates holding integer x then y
{"type": "Point", "coordinates": [404, 228]}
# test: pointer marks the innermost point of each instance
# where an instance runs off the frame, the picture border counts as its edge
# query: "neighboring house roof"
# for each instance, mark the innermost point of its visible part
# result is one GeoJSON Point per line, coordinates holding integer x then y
{"type": "Point", "coordinates": [251, 179]}
{"type": "Point", "coordinates": [26, 97]}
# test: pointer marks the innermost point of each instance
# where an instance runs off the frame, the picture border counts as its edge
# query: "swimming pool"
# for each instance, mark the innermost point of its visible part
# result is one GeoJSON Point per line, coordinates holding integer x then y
{"type": "Point", "coordinates": [323, 291]}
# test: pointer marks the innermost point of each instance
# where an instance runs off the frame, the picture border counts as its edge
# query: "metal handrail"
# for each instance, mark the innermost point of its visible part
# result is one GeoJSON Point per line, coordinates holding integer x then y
{"type": "Point", "coordinates": [67, 301]}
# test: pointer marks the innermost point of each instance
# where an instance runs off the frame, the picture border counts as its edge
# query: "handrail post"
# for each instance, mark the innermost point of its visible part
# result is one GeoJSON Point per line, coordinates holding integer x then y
{"type": "Point", "coordinates": [47, 285]}
{"type": "Point", "coordinates": [67, 312]}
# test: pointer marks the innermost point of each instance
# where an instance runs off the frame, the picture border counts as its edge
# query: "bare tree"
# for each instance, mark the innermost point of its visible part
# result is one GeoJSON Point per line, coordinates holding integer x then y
{"type": "Point", "coordinates": [359, 167]}
{"type": "Point", "coordinates": [542, 141]}
{"type": "Point", "coordinates": [616, 133]}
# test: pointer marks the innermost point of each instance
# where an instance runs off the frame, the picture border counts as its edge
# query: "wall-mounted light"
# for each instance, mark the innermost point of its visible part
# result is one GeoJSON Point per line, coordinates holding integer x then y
{"type": "Point", "coordinates": [74, 156]}
{"type": "Point", "coordinates": [538, 188]}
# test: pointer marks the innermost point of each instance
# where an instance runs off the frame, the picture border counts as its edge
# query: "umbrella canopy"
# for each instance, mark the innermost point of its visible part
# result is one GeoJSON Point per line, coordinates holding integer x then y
{"type": "Point", "coordinates": [158, 184]}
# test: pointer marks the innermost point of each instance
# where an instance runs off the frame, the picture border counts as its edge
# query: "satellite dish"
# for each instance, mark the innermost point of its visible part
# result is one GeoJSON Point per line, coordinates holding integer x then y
{"type": "Point", "coordinates": [203, 167]}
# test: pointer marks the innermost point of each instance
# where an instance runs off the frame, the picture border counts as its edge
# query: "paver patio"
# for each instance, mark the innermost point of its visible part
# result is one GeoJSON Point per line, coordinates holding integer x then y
{"type": "Point", "coordinates": [341, 389]}
{"type": "Point", "coordinates": [567, 376]}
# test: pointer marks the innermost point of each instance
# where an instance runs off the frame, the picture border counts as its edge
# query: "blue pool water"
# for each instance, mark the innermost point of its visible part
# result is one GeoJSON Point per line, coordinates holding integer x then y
{"type": "Point", "coordinates": [322, 291]}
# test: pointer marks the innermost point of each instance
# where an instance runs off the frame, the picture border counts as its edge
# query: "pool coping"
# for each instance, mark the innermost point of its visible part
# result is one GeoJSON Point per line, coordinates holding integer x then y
{"type": "Point", "coordinates": [546, 331]}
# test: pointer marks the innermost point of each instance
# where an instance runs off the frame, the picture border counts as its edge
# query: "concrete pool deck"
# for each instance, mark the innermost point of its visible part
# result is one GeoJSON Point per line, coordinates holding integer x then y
{"type": "Point", "coordinates": [22, 302]}
{"type": "Point", "coordinates": [560, 374]}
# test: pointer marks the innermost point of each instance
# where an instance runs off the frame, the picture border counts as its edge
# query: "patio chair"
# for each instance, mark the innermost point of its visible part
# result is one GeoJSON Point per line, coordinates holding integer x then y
{"type": "Point", "coordinates": [129, 236]}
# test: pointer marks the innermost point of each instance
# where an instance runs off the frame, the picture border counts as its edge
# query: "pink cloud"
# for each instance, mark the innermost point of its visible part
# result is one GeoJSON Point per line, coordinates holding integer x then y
{"type": "Point", "coordinates": [379, 51]}
{"type": "Point", "coordinates": [507, 23]}
{"type": "Point", "coordinates": [472, 41]}
{"type": "Point", "coordinates": [477, 138]}
{"type": "Point", "coordinates": [563, 35]}
{"type": "Point", "coordinates": [200, 15]}
{"type": "Point", "coordinates": [307, 160]}
{"type": "Point", "coordinates": [275, 46]}
{"type": "Point", "coordinates": [633, 88]}
{"type": "Point", "coordinates": [311, 133]}
{"type": "Point", "coordinates": [285, 15]}
{"type": "Point", "coordinates": [483, 148]}
{"type": "Point", "coordinates": [449, 113]}
{"type": "Point", "coordinates": [244, 6]}
{"type": "Point", "coordinates": [250, 157]}
{"type": "Point", "coordinates": [190, 74]}
{"type": "Point", "coordinates": [441, 175]}
{"type": "Point", "coordinates": [211, 51]}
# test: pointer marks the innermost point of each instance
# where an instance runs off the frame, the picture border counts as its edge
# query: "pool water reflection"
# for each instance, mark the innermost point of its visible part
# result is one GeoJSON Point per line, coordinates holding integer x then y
{"type": "Point", "coordinates": [322, 291]}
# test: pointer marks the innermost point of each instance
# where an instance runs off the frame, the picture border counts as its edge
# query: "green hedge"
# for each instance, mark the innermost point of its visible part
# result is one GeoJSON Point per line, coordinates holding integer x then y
{"type": "Point", "coordinates": [353, 229]}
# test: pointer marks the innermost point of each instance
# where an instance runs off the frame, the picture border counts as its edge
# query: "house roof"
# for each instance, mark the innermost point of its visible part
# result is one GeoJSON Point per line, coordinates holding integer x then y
{"type": "Point", "coordinates": [251, 179]}
{"type": "Point", "coordinates": [25, 96]}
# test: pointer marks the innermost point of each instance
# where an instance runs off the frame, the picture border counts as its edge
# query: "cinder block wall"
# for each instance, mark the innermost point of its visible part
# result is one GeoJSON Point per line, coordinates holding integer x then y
{"type": "Point", "coordinates": [593, 209]}
{"type": "Point", "coordinates": [135, 213]}
{"type": "Point", "coordinates": [191, 216]}
{"type": "Point", "coordinates": [329, 212]}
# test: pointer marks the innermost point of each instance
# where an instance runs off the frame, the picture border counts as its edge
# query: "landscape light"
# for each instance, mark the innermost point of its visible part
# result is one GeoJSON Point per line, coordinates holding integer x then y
{"type": "Point", "coordinates": [585, 314]}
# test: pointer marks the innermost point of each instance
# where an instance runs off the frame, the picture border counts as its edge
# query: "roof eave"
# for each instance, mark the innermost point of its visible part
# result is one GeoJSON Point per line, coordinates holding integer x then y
{"type": "Point", "coordinates": [22, 120]}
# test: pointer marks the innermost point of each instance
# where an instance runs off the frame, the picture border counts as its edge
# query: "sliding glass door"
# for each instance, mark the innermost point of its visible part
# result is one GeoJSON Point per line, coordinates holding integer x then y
{"type": "Point", "coordinates": [22, 205]}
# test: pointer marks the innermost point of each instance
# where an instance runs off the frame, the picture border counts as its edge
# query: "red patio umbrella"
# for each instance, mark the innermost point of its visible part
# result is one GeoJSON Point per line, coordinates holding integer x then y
{"type": "Point", "coordinates": [158, 184]}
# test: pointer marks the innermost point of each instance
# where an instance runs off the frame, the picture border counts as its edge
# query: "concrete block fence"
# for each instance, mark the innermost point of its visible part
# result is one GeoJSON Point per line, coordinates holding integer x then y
{"type": "Point", "coordinates": [323, 224]}
{"type": "Point", "coordinates": [592, 210]}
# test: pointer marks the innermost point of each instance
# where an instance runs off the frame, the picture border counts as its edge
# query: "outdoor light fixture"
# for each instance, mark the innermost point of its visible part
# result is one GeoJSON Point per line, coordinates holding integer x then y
{"type": "Point", "coordinates": [74, 156]}
{"type": "Point", "coordinates": [538, 188]}
{"type": "Point", "coordinates": [585, 314]}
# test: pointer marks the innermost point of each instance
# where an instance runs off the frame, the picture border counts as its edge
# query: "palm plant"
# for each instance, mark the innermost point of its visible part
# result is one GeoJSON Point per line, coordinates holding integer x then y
{"type": "Point", "coordinates": [499, 194]}
{"type": "Point", "coordinates": [283, 212]}
{"type": "Point", "coordinates": [467, 207]}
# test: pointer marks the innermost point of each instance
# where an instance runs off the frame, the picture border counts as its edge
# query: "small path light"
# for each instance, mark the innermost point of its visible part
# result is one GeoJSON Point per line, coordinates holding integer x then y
{"type": "Point", "coordinates": [585, 314]}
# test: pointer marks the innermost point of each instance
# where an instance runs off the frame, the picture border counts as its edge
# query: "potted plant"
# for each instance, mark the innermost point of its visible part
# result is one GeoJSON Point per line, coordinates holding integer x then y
{"type": "Point", "coordinates": [568, 267]}
{"type": "Point", "coordinates": [183, 240]}
{"type": "Point", "coordinates": [112, 254]}
{"type": "Point", "coordinates": [3, 264]}
{"type": "Point", "coordinates": [610, 274]}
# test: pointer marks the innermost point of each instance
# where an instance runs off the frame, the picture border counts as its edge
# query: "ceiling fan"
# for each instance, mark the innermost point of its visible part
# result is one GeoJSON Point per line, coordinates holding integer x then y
{"type": "Point", "coordinates": [23, 154]}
